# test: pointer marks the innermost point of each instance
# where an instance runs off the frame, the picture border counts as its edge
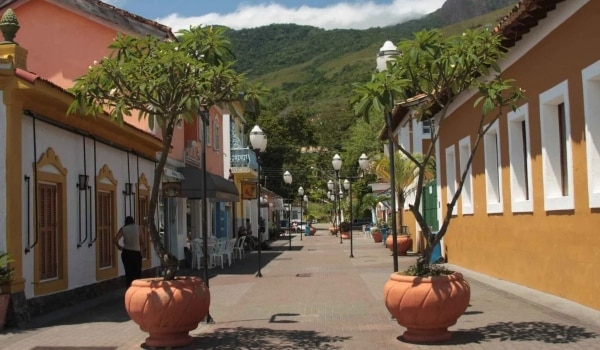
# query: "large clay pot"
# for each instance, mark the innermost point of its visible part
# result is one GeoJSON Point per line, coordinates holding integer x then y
{"type": "Point", "coordinates": [377, 236]}
{"type": "Point", "coordinates": [345, 235]}
{"type": "Point", "coordinates": [313, 231]}
{"type": "Point", "coordinates": [333, 230]}
{"type": "Point", "coordinates": [403, 242]}
{"type": "Point", "coordinates": [167, 310]}
{"type": "Point", "coordinates": [426, 306]}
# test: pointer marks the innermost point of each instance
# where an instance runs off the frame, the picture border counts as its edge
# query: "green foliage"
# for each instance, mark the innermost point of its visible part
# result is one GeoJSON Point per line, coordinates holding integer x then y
{"type": "Point", "coordinates": [427, 270]}
{"type": "Point", "coordinates": [429, 74]}
{"type": "Point", "coordinates": [163, 81]}
{"type": "Point", "coordinates": [313, 70]}
{"type": "Point", "coordinates": [6, 272]}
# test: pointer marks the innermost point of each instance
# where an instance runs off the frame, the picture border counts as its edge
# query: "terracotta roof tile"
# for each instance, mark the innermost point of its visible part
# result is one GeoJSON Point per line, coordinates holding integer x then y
{"type": "Point", "coordinates": [121, 18]}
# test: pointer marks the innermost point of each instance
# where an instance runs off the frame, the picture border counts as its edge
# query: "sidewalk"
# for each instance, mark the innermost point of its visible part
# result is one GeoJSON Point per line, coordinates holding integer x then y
{"type": "Point", "coordinates": [316, 297]}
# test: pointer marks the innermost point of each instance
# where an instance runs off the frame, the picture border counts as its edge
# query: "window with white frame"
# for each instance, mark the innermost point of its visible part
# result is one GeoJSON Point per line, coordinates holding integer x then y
{"type": "Point", "coordinates": [591, 108]}
{"type": "Point", "coordinates": [466, 196]}
{"type": "Point", "coordinates": [493, 178]}
{"type": "Point", "coordinates": [520, 160]}
{"type": "Point", "coordinates": [208, 134]}
{"type": "Point", "coordinates": [451, 175]}
{"type": "Point", "coordinates": [557, 168]}
{"type": "Point", "coordinates": [216, 134]}
{"type": "Point", "coordinates": [426, 127]}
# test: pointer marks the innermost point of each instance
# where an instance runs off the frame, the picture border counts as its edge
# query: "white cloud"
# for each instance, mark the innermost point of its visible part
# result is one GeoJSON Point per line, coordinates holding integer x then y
{"type": "Point", "coordinates": [343, 15]}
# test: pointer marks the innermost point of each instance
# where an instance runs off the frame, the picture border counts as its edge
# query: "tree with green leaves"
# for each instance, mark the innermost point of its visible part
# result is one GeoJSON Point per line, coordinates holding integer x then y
{"type": "Point", "coordinates": [165, 82]}
{"type": "Point", "coordinates": [428, 76]}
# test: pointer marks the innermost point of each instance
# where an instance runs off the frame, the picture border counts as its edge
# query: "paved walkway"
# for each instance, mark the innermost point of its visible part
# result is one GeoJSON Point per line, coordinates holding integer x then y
{"type": "Point", "coordinates": [316, 297]}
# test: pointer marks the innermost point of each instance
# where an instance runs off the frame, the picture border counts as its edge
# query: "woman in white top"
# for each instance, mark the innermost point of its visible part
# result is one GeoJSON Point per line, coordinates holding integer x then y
{"type": "Point", "coordinates": [131, 250]}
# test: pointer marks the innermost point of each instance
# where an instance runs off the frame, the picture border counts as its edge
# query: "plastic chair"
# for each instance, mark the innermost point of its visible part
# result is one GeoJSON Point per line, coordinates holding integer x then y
{"type": "Point", "coordinates": [197, 253]}
{"type": "Point", "coordinates": [238, 248]}
{"type": "Point", "coordinates": [228, 251]}
{"type": "Point", "coordinates": [217, 254]}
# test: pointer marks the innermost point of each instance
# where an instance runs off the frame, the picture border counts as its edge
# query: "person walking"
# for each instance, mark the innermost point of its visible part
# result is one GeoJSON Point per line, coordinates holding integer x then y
{"type": "Point", "coordinates": [131, 250]}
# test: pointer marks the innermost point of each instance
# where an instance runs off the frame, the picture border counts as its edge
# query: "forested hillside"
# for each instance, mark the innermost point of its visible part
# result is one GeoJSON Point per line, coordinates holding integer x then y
{"type": "Point", "coordinates": [310, 72]}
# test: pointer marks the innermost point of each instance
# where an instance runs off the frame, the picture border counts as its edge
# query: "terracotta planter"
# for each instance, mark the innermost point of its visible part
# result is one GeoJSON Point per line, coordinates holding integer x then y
{"type": "Point", "coordinates": [346, 235]}
{"type": "Point", "coordinates": [167, 310]}
{"type": "Point", "coordinates": [426, 306]}
{"type": "Point", "coordinates": [313, 231]}
{"type": "Point", "coordinates": [403, 242]}
{"type": "Point", "coordinates": [377, 236]}
{"type": "Point", "coordinates": [333, 230]}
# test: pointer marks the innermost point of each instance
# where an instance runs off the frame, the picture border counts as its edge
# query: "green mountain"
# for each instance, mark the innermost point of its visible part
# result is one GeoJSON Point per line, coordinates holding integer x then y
{"type": "Point", "coordinates": [310, 72]}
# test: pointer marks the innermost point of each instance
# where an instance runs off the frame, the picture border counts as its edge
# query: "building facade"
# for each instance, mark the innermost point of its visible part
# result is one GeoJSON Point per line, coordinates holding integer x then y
{"type": "Point", "coordinates": [532, 198]}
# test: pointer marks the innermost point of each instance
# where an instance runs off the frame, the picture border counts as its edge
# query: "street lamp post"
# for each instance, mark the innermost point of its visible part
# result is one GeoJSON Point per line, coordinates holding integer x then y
{"type": "Point", "coordinates": [301, 193]}
{"type": "Point", "coordinates": [336, 162]}
{"type": "Point", "coordinates": [386, 53]}
{"type": "Point", "coordinates": [258, 140]}
{"type": "Point", "coordinates": [332, 198]}
{"type": "Point", "coordinates": [287, 178]}
{"type": "Point", "coordinates": [363, 161]}
{"type": "Point", "coordinates": [305, 198]}
{"type": "Point", "coordinates": [348, 186]}
{"type": "Point", "coordinates": [339, 199]}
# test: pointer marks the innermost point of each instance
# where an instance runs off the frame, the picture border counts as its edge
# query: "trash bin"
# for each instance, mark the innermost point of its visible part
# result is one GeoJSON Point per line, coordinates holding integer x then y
{"type": "Point", "coordinates": [306, 230]}
{"type": "Point", "coordinates": [436, 254]}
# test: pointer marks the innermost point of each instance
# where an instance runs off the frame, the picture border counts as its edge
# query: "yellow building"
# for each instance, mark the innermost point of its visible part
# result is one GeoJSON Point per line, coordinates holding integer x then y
{"type": "Point", "coordinates": [532, 201]}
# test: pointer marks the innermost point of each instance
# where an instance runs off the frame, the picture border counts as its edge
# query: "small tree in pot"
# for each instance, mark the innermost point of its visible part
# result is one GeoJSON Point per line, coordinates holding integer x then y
{"type": "Point", "coordinates": [167, 82]}
{"type": "Point", "coordinates": [425, 77]}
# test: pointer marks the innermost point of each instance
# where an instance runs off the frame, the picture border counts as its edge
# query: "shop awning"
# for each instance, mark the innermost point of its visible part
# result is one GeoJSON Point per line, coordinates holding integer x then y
{"type": "Point", "coordinates": [218, 189]}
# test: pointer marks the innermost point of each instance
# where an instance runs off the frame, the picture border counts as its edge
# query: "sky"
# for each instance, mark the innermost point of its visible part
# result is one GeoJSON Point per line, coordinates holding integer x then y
{"type": "Point", "coordinates": [326, 14]}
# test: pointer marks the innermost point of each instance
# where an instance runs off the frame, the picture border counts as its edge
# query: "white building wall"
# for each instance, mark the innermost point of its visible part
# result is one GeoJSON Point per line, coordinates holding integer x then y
{"type": "Point", "coordinates": [69, 148]}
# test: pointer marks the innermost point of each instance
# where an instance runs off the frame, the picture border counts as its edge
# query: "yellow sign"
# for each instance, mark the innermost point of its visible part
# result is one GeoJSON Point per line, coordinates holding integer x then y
{"type": "Point", "coordinates": [249, 190]}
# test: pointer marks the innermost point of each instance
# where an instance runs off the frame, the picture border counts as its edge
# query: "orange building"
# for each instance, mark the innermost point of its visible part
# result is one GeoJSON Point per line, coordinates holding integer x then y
{"type": "Point", "coordinates": [532, 198]}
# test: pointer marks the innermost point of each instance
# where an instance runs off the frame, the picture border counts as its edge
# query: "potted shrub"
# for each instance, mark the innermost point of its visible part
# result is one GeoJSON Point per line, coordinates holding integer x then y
{"type": "Point", "coordinates": [404, 241]}
{"type": "Point", "coordinates": [345, 229]}
{"type": "Point", "coordinates": [376, 234]}
{"type": "Point", "coordinates": [6, 275]}
{"type": "Point", "coordinates": [200, 62]}
{"type": "Point", "coordinates": [424, 77]}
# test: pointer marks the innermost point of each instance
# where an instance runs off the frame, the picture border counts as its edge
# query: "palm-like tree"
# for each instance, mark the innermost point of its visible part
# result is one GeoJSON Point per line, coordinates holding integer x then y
{"type": "Point", "coordinates": [406, 174]}
{"type": "Point", "coordinates": [369, 202]}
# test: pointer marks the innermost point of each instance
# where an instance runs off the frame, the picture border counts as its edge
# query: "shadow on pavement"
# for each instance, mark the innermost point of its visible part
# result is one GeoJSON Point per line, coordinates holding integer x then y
{"type": "Point", "coordinates": [534, 331]}
{"type": "Point", "coordinates": [265, 339]}
{"type": "Point", "coordinates": [545, 332]}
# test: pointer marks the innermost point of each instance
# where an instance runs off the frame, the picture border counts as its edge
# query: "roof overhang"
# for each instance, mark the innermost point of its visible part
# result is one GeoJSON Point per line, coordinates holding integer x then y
{"type": "Point", "coordinates": [218, 189]}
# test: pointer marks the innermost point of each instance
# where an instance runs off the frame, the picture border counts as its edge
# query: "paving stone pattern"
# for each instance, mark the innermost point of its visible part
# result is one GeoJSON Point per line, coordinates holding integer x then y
{"type": "Point", "coordinates": [316, 297]}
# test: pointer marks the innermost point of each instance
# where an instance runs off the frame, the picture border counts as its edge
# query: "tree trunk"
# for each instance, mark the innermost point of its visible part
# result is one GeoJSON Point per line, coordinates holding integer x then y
{"type": "Point", "coordinates": [168, 262]}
